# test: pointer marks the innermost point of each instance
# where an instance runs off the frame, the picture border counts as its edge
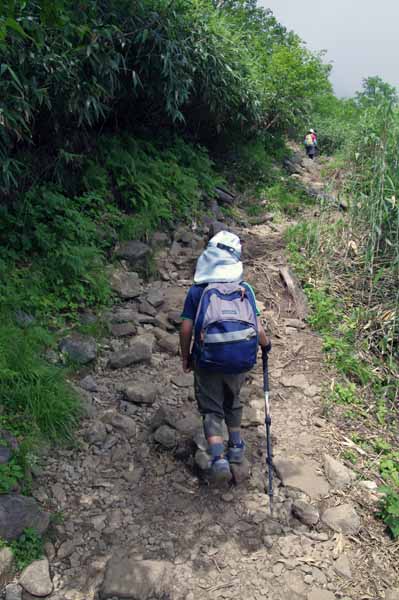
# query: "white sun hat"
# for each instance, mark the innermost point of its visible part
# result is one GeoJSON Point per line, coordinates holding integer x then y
{"type": "Point", "coordinates": [220, 262]}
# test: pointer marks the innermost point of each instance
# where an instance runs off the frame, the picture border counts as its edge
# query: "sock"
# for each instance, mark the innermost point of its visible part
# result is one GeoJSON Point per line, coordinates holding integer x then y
{"type": "Point", "coordinates": [216, 450]}
{"type": "Point", "coordinates": [235, 438]}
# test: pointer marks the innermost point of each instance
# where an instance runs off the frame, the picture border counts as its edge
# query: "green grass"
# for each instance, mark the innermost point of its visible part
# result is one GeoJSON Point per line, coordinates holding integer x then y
{"type": "Point", "coordinates": [286, 197]}
{"type": "Point", "coordinates": [33, 393]}
{"type": "Point", "coordinates": [38, 405]}
{"type": "Point", "coordinates": [345, 394]}
{"type": "Point", "coordinates": [350, 456]}
{"type": "Point", "coordinates": [340, 324]}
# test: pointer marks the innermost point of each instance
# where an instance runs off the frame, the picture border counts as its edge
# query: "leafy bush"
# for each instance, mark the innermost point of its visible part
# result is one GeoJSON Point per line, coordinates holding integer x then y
{"type": "Point", "coordinates": [27, 548]}
{"type": "Point", "coordinates": [389, 510]}
{"type": "Point", "coordinates": [325, 310]}
{"type": "Point", "coordinates": [11, 474]}
{"type": "Point", "coordinates": [345, 394]}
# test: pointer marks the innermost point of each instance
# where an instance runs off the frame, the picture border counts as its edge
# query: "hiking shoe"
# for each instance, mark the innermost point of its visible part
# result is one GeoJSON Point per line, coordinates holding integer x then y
{"type": "Point", "coordinates": [236, 452]}
{"type": "Point", "coordinates": [220, 470]}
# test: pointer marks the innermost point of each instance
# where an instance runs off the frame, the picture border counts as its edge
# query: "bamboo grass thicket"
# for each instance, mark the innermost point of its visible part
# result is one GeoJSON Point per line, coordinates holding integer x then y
{"type": "Point", "coordinates": [375, 210]}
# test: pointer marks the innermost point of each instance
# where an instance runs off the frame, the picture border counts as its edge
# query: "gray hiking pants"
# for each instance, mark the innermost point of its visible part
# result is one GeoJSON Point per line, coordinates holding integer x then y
{"type": "Point", "coordinates": [218, 399]}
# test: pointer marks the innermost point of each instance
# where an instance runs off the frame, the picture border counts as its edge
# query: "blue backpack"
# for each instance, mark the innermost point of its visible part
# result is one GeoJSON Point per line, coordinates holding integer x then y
{"type": "Point", "coordinates": [226, 329]}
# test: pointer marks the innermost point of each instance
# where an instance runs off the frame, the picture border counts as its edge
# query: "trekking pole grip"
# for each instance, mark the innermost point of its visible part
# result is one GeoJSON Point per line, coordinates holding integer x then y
{"type": "Point", "coordinates": [265, 360]}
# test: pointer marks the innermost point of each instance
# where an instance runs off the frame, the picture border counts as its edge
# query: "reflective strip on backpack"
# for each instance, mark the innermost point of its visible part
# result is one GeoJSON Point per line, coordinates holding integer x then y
{"type": "Point", "coordinates": [230, 336]}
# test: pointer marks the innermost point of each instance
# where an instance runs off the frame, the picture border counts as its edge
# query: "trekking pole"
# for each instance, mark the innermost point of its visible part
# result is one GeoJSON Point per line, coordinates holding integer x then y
{"type": "Point", "coordinates": [268, 421]}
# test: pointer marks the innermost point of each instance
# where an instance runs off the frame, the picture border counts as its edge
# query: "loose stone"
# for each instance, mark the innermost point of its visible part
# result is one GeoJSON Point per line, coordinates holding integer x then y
{"type": "Point", "coordinates": [337, 474]}
{"type": "Point", "coordinates": [35, 578]}
{"type": "Point", "coordinates": [126, 577]}
{"type": "Point", "coordinates": [343, 519]}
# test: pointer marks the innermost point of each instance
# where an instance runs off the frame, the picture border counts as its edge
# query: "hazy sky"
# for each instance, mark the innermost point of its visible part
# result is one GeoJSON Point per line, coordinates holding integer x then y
{"type": "Point", "coordinates": [361, 36]}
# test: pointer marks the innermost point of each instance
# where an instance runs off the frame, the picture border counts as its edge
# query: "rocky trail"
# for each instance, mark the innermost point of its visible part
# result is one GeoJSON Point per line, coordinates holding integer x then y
{"type": "Point", "coordinates": [137, 516]}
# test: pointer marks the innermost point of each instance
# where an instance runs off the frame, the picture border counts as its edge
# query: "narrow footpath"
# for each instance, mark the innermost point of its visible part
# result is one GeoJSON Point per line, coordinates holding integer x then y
{"type": "Point", "coordinates": [137, 519]}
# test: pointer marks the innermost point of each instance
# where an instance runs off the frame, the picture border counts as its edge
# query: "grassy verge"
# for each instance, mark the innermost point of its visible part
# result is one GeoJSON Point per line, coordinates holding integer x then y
{"type": "Point", "coordinates": [363, 397]}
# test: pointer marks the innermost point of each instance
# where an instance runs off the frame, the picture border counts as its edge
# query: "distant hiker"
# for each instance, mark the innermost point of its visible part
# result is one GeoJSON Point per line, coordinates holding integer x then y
{"type": "Point", "coordinates": [220, 309]}
{"type": "Point", "coordinates": [311, 143]}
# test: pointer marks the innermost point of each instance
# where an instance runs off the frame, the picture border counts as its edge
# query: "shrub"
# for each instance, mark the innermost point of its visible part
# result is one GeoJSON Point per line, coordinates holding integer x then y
{"type": "Point", "coordinates": [27, 548]}
{"type": "Point", "coordinates": [389, 510]}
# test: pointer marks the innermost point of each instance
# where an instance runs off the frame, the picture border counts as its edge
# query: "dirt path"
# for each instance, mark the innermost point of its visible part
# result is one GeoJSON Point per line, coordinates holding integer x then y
{"type": "Point", "coordinates": [122, 494]}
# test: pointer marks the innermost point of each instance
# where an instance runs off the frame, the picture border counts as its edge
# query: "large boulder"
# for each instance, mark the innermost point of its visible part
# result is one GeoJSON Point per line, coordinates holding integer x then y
{"type": "Point", "coordinates": [18, 513]}
{"type": "Point", "coordinates": [140, 351]}
{"type": "Point", "coordinates": [132, 579]}
{"type": "Point", "coordinates": [81, 349]}
{"type": "Point", "coordinates": [35, 579]}
{"type": "Point", "coordinates": [126, 284]}
{"type": "Point", "coordinates": [135, 253]}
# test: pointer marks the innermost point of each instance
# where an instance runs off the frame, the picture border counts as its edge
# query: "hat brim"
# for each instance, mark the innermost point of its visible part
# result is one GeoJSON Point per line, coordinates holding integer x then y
{"type": "Point", "coordinates": [221, 274]}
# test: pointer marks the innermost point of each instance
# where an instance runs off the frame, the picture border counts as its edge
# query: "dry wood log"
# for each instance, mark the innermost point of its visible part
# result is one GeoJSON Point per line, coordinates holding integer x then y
{"type": "Point", "coordinates": [295, 291]}
{"type": "Point", "coordinates": [224, 196]}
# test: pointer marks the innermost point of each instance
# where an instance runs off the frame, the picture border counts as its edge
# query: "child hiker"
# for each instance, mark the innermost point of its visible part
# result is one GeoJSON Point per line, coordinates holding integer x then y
{"type": "Point", "coordinates": [220, 310]}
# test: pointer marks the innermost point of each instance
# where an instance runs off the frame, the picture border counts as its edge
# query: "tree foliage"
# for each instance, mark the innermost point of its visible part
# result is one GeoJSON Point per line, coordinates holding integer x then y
{"type": "Point", "coordinates": [202, 68]}
{"type": "Point", "coordinates": [374, 91]}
